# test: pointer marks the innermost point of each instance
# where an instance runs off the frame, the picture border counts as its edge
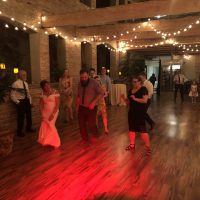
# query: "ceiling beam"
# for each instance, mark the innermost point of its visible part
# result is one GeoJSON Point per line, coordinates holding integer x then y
{"type": "Point", "coordinates": [123, 12]}
{"type": "Point", "coordinates": [182, 40]}
{"type": "Point", "coordinates": [116, 29]}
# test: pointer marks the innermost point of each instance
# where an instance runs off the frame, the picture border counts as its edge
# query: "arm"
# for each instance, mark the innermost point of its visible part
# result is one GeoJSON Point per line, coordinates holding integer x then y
{"type": "Point", "coordinates": [56, 107]}
{"type": "Point", "coordinates": [13, 94]}
{"type": "Point", "coordinates": [100, 94]}
{"type": "Point", "coordinates": [77, 103]}
{"type": "Point", "coordinates": [29, 96]}
{"type": "Point", "coordinates": [71, 82]}
{"type": "Point", "coordinates": [94, 102]}
{"type": "Point", "coordinates": [125, 99]}
{"type": "Point", "coordinates": [109, 84]}
{"type": "Point", "coordinates": [143, 100]}
{"type": "Point", "coordinates": [60, 85]}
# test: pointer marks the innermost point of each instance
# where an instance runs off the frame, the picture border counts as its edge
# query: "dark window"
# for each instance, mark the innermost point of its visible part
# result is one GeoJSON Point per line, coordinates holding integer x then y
{"type": "Point", "coordinates": [105, 3]}
{"type": "Point", "coordinates": [86, 2]}
{"type": "Point", "coordinates": [57, 57]}
{"type": "Point", "coordinates": [121, 2]}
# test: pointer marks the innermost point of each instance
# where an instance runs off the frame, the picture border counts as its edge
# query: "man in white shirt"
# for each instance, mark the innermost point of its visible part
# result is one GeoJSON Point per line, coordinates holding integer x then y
{"type": "Point", "coordinates": [149, 86]}
{"type": "Point", "coordinates": [20, 95]}
{"type": "Point", "coordinates": [179, 80]}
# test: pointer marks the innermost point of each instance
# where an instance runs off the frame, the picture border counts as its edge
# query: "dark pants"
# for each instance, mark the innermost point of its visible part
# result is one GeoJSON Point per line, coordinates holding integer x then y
{"type": "Point", "coordinates": [147, 117]}
{"type": "Point", "coordinates": [179, 87]}
{"type": "Point", "coordinates": [23, 108]}
{"type": "Point", "coordinates": [87, 117]}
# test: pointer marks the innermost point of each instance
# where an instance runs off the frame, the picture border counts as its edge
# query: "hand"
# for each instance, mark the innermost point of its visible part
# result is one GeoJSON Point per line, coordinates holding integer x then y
{"type": "Point", "coordinates": [91, 106]}
{"type": "Point", "coordinates": [133, 97]}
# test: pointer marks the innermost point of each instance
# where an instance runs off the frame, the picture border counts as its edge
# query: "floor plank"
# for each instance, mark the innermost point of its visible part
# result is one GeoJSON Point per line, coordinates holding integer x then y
{"type": "Point", "coordinates": [104, 170]}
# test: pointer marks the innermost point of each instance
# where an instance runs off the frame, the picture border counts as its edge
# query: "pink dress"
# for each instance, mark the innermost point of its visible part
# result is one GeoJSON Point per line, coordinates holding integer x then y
{"type": "Point", "coordinates": [48, 134]}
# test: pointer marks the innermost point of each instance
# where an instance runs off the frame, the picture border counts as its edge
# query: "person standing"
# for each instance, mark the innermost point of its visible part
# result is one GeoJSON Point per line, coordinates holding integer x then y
{"type": "Point", "coordinates": [92, 72]}
{"type": "Point", "coordinates": [20, 95]}
{"type": "Point", "coordinates": [179, 80]}
{"type": "Point", "coordinates": [106, 82]}
{"type": "Point", "coordinates": [49, 107]}
{"type": "Point", "coordinates": [101, 108]}
{"type": "Point", "coordinates": [193, 91]}
{"type": "Point", "coordinates": [89, 92]}
{"type": "Point", "coordinates": [149, 86]}
{"type": "Point", "coordinates": [66, 91]}
{"type": "Point", "coordinates": [152, 79]}
{"type": "Point", "coordinates": [137, 99]}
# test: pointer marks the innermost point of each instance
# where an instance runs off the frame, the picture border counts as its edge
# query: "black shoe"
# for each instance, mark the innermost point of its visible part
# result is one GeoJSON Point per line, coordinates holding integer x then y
{"type": "Point", "coordinates": [30, 131]}
{"type": "Point", "coordinates": [20, 134]}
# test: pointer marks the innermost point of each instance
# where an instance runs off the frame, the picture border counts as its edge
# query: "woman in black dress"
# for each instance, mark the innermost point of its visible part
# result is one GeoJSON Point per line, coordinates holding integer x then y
{"type": "Point", "coordinates": [137, 99]}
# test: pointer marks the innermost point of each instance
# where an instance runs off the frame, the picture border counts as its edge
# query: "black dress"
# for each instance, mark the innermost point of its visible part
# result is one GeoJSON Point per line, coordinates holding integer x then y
{"type": "Point", "coordinates": [137, 111]}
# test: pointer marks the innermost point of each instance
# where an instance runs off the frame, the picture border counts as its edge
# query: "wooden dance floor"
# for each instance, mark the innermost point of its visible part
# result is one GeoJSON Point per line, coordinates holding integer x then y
{"type": "Point", "coordinates": [104, 170]}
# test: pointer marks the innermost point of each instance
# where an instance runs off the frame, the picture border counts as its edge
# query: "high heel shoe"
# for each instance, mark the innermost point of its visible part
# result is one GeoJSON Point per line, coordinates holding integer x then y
{"type": "Point", "coordinates": [130, 147]}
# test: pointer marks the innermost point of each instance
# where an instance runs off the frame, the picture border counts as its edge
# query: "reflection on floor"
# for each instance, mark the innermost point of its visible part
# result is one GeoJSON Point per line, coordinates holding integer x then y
{"type": "Point", "coordinates": [104, 170]}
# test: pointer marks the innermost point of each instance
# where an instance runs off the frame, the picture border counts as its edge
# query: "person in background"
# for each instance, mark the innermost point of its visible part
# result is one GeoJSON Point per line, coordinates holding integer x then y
{"type": "Point", "coordinates": [101, 108]}
{"type": "Point", "coordinates": [179, 80]}
{"type": "Point", "coordinates": [66, 91]}
{"type": "Point", "coordinates": [137, 99]}
{"type": "Point", "coordinates": [89, 93]}
{"type": "Point", "coordinates": [193, 91]}
{"type": "Point", "coordinates": [49, 107]}
{"type": "Point", "coordinates": [149, 87]}
{"type": "Point", "coordinates": [106, 82]}
{"type": "Point", "coordinates": [152, 79]}
{"type": "Point", "coordinates": [92, 72]}
{"type": "Point", "coordinates": [20, 95]}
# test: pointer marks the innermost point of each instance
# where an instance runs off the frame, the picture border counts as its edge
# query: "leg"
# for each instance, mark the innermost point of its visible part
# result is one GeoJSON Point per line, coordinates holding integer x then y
{"type": "Point", "coordinates": [82, 118]}
{"type": "Point", "coordinates": [147, 117]}
{"type": "Point", "coordinates": [105, 121]}
{"type": "Point", "coordinates": [28, 116]}
{"type": "Point", "coordinates": [20, 118]}
{"type": "Point", "coordinates": [70, 113]}
{"type": "Point", "coordinates": [182, 92]}
{"type": "Point", "coordinates": [92, 121]}
{"type": "Point", "coordinates": [145, 138]}
{"type": "Point", "coordinates": [132, 141]}
{"type": "Point", "coordinates": [175, 91]}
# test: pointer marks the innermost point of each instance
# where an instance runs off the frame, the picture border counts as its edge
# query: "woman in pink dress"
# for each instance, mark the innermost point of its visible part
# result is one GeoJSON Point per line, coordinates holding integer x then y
{"type": "Point", "coordinates": [49, 107]}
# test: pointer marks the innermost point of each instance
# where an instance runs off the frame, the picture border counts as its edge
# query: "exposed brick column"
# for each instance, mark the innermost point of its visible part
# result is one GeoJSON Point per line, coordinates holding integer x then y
{"type": "Point", "coordinates": [93, 4]}
{"type": "Point", "coordinates": [94, 56]}
{"type": "Point", "coordinates": [39, 53]}
{"type": "Point", "coordinates": [73, 55]}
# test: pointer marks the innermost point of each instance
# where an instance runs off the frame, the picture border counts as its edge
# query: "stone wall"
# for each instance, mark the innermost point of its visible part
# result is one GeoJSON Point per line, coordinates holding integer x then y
{"type": "Point", "coordinates": [8, 112]}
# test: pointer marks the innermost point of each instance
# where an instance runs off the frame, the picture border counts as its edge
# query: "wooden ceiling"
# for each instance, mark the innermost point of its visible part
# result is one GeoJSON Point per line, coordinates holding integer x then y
{"type": "Point", "coordinates": [112, 21]}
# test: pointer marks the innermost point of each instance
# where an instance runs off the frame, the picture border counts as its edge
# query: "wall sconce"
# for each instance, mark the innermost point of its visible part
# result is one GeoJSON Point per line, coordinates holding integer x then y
{"type": "Point", "coordinates": [120, 73]}
{"type": "Point", "coordinates": [16, 70]}
{"type": "Point", "coordinates": [108, 71]}
{"type": "Point", "coordinates": [2, 66]}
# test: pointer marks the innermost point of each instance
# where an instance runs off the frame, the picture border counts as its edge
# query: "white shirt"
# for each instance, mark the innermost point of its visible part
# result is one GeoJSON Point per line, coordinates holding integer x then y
{"type": "Point", "coordinates": [149, 87]}
{"type": "Point", "coordinates": [17, 91]}
{"type": "Point", "coordinates": [179, 79]}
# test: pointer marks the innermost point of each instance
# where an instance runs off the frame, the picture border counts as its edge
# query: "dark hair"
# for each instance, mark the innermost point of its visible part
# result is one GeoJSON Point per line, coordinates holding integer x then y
{"type": "Point", "coordinates": [43, 83]}
{"type": "Point", "coordinates": [84, 70]}
{"type": "Point", "coordinates": [143, 74]}
{"type": "Point", "coordinates": [92, 69]}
